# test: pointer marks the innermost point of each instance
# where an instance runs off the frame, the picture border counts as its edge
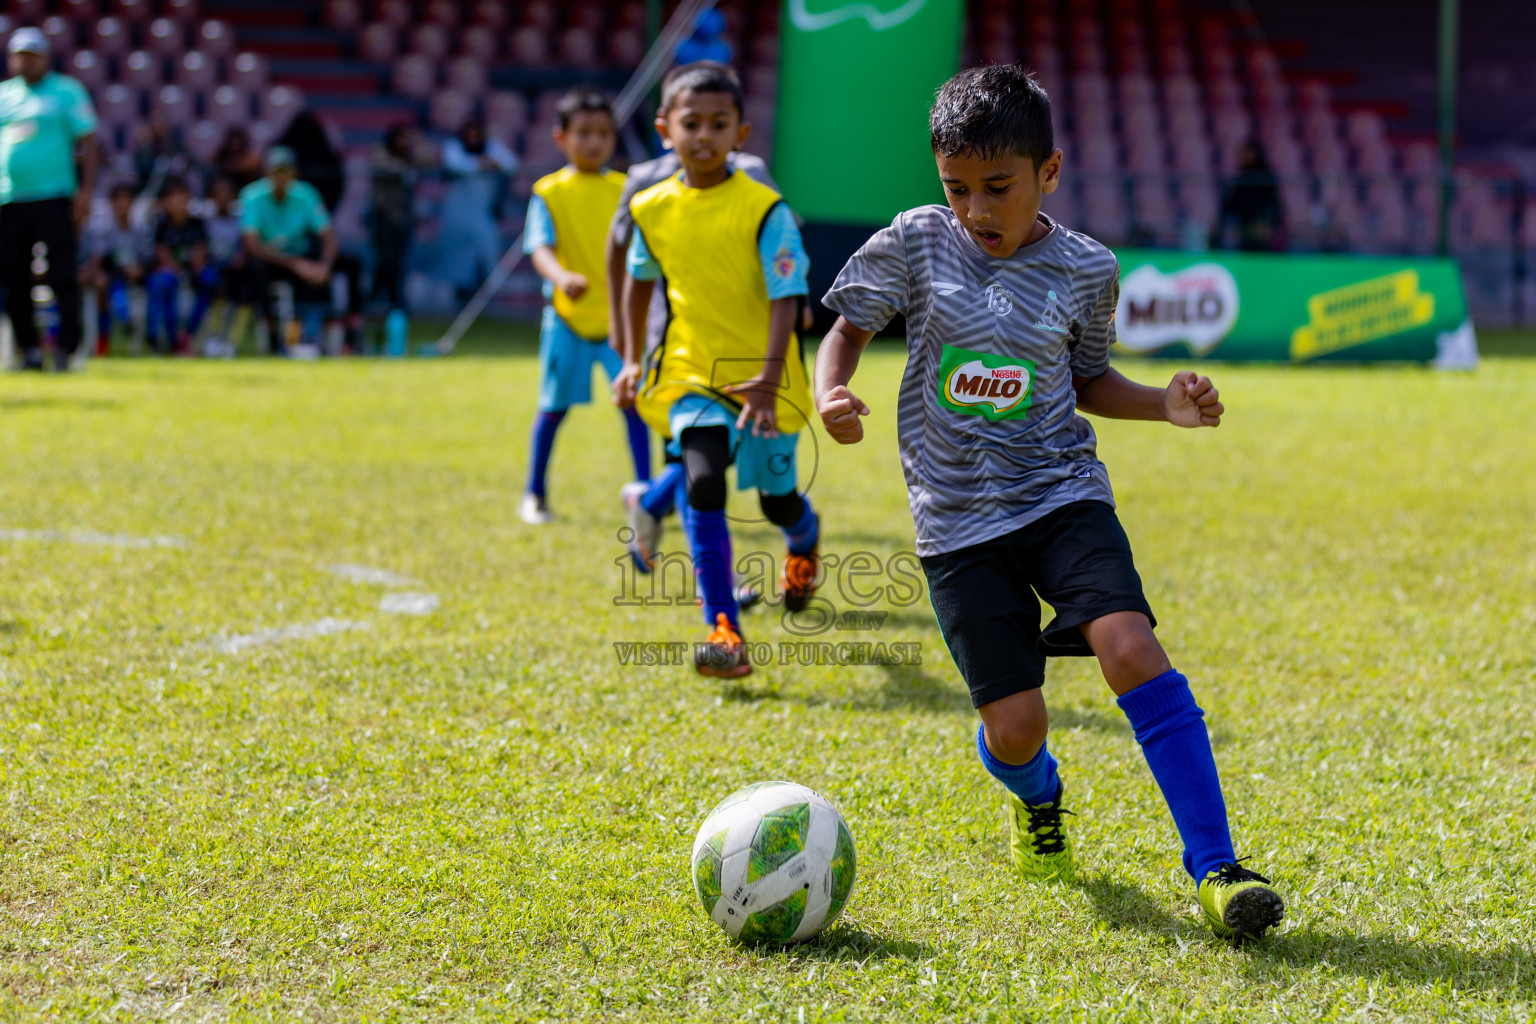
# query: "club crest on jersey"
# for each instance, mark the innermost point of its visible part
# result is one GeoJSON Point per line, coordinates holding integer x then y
{"type": "Point", "coordinates": [784, 263]}
{"type": "Point", "coordinates": [983, 384]}
{"type": "Point", "coordinates": [1053, 319]}
{"type": "Point", "coordinates": [998, 300]}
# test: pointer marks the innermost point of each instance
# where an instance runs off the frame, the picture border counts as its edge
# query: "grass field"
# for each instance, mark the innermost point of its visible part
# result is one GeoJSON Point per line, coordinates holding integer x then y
{"type": "Point", "coordinates": [239, 782]}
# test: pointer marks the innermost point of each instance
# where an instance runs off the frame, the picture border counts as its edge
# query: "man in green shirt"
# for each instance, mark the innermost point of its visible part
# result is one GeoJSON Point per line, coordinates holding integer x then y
{"type": "Point", "coordinates": [48, 162]}
{"type": "Point", "coordinates": [288, 236]}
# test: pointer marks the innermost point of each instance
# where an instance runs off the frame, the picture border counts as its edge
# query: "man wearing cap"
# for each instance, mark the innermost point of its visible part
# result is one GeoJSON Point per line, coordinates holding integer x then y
{"type": "Point", "coordinates": [288, 236]}
{"type": "Point", "coordinates": [48, 162]}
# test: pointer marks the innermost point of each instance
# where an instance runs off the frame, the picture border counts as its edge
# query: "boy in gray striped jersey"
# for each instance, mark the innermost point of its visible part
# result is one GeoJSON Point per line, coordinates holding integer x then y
{"type": "Point", "coordinates": [1010, 318]}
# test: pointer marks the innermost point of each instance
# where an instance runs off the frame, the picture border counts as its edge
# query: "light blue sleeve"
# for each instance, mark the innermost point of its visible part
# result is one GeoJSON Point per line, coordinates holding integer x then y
{"type": "Point", "coordinates": [640, 264]}
{"type": "Point", "coordinates": [539, 228]}
{"type": "Point", "coordinates": [786, 267]}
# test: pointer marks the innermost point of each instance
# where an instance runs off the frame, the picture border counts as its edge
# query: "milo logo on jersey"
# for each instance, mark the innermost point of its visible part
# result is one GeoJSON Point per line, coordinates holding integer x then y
{"type": "Point", "coordinates": [983, 384]}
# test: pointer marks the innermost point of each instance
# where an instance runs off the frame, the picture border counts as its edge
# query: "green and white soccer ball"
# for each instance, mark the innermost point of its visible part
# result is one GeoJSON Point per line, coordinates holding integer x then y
{"type": "Point", "coordinates": [773, 863]}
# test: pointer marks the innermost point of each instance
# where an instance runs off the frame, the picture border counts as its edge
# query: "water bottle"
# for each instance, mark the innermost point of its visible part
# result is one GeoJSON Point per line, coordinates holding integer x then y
{"type": "Point", "coordinates": [397, 329]}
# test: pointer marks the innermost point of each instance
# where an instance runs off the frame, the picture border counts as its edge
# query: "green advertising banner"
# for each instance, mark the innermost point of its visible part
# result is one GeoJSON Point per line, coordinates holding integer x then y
{"type": "Point", "coordinates": [855, 83]}
{"type": "Point", "coordinates": [1292, 308]}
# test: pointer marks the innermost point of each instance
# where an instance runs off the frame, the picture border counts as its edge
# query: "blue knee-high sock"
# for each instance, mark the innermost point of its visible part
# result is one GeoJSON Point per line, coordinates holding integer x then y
{"type": "Point", "coordinates": [1168, 725]}
{"type": "Point", "coordinates": [117, 300]}
{"type": "Point", "coordinates": [104, 323]}
{"type": "Point", "coordinates": [805, 534]}
{"type": "Point", "coordinates": [639, 444]}
{"type": "Point", "coordinates": [544, 426]}
{"type": "Point", "coordinates": [661, 497]}
{"type": "Point", "coordinates": [709, 540]}
{"type": "Point", "coordinates": [1034, 782]}
{"type": "Point", "coordinates": [207, 284]}
{"type": "Point", "coordinates": [161, 287]}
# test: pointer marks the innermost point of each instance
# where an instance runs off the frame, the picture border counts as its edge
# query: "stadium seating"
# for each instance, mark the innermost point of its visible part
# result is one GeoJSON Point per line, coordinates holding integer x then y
{"type": "Point", "coordinates": [1154, 99]}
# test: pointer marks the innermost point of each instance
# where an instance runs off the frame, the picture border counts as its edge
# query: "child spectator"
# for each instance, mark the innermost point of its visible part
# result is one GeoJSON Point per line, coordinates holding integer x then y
{"type": "Point", "coordinates": [181, 253]}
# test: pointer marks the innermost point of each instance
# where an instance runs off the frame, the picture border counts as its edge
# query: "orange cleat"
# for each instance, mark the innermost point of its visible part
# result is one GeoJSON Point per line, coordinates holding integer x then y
{"type": "Point", "coordinates": [724, 654]}
{"type": "Point", "coordinates": [799, 579]}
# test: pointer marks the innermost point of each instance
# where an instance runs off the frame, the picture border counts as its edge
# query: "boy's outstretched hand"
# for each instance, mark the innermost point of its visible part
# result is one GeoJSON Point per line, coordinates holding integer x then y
{"type": "Point", "coordinates": [574, 285]}
{"type": "Point", "coordinates": [759, 406]}
{"type": "Point", "coordinates": [840, 411]}
{"type": "Point", "coordinates": [1192, 401]}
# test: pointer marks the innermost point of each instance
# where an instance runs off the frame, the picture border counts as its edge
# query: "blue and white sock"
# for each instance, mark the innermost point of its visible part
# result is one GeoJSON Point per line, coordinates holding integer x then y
{"type": "Point", "coordinates": [1035, 781]}
{"type": "Point", "coordinates": [1168, 725]}
{"type": "Point", "coordinates": [805, 534]}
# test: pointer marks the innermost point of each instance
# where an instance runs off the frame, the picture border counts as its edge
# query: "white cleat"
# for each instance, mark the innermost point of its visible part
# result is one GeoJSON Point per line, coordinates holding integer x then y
{"type": "Point", "coordinates": [645, 529]}
{"type": "Point", "coordinates": [534, 511]}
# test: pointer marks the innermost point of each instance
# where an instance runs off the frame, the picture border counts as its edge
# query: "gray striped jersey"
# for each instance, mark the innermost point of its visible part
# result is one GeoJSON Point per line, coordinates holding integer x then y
{"type": "Point", "coordinates": [986, 418]}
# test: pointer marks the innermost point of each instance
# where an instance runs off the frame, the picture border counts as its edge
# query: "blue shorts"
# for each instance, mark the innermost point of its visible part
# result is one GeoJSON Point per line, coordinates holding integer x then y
{"type": "Point", "coordinates": [565, 364]}
{"type": "Point", "coordinates": [765, 464]}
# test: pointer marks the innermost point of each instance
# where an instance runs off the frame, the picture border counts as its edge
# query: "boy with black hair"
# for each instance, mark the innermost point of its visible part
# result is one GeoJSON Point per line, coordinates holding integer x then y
{"type": "Point", "coordinates": [567, 226]}
{"type": "Point", "coordinates": [115, 256]}
{"type": "Point", "coordinates": [181, 252]}
{"type": "Point", "coordinates": [735, 269]}
{"type": "Point", "coordinates": [226, 252]}
{"type": "Point", "coordinates": [1010, 318]}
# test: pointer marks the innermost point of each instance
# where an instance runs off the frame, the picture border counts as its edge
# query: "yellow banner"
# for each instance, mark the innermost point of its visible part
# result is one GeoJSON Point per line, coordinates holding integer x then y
{"type": "Point", "coordinates": [1362, 312]}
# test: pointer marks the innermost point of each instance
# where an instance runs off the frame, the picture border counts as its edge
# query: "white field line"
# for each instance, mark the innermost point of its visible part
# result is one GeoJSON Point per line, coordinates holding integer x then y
{"type": "Point", "coordinates": [119, 540]}
{"type": "Point", "coordinates": [368, 574]}
{"type": "Point", "coordinates": [282, 634]}
{"type": "Point", "coordinates": [409, 604]}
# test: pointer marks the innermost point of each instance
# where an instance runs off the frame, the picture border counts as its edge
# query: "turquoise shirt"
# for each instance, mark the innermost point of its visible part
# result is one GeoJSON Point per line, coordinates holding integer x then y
{"type": "Point", "coordinates": [39, 126]}
{"type": "Point", "coordinates": [288, 226]}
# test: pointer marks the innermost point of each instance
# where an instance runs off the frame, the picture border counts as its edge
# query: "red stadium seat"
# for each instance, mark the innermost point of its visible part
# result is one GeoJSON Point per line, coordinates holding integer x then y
{"type": "Point", "coordinates": [214, 37]}
{"type": "Point", "coordinates": [279, 104]}
{"type": "Point", "coordinates": [61, 35]}
{"type": "Point", "coordinates": [626, 47]}
{"type": "Point", "coordinates": [578, 47]}
{"type": "Point", "coordinates": [143, 70]}
{"type": "Point", "coordinates": [467, 75]}
{"type": "Point", "coordinates": [448, 110]}
{"type": "Point", "coordinates": [202, 139]}
{"type": "Point", "coordinates": [442, 12]}
{"type": "Point", "coordinates": [480, 42]}
{"type": "Point", "coordinates": [587, 15]}
{"type": "Point", "coordinates": [529, 46]}
{"type": "Point", "coordinates": [184, 11]}
{"type": "Point", "coordinates": [248, 71]}
{"type": "Point", "coordinates": [229, 105]}
{"type": "Point", "coordinates": [27, 12]}
{"type": "Point", "coordinates": [430, 41]}
{"type": "Point", "coordinates": [81, 12]}
{"type": "Point", "coordinates": [90, 69]}
{"type": "Point", "coordinates": [540, 13]}
{"type": "Point", "coordinates": [378, 43]}
{"type": "Point", "coordinates": [119, 105]}
{"type": "Point", "coordinates": [345, 15]}
{"type": "Point", "coordinates": [132, 10]}
{"type": "Point", "coordinates": [165, 37]}
{"type": "Point", "coordinates": [490, 13]}
{"type": "Point", "coordinates": [395, 12]}
{"type": "Point", "coordinates": [414, 75]}
{"type": "Point", "coordinates": [174, 104]}
{"type": "Point", "coordinates": [506, 112]}
{"type": "Point", "coordinates": [196, 72]}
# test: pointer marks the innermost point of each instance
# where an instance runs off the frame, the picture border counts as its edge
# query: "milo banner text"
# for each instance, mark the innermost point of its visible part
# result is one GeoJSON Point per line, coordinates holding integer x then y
{"type": "Point", "coordinates": [1292, 308]}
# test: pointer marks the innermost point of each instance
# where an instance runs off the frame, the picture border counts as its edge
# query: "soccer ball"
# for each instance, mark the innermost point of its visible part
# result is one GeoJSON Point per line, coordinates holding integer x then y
{"type": "Point", "coordinates": [773, 863]}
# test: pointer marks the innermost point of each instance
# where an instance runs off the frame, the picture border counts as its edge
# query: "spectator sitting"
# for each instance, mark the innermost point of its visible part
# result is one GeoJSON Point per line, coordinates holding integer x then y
{"type": "Point", "coordinates": [226, 251]}
{"type": "Point", "coordinates": [1252, 201]}
{"type": "Point", "coordinates": [477, 168]}
{"type": "Point", "coordinates": [288, 237]}
{"type": "Point", "coordinates": [391, 211]}
{"type": "Point", "coordinates": [115, 256]}
{"type": "Point", "coordinates": [157, 155]}
{"type": "Point", "coordinates": [181, 253]}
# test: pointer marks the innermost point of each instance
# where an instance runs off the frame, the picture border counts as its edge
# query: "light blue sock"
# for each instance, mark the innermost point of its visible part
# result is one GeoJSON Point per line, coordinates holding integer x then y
{"type": "Point", "coordinates": [1168, 725]}
{"type": "Point", "coordinates": [1035, 782]}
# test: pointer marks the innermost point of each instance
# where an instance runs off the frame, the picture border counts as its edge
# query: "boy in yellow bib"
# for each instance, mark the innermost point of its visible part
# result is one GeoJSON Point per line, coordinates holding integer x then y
{"type": "Point", "coordinates": [567, 228]}
{"type": "Point", "coordinates": [727, 383]}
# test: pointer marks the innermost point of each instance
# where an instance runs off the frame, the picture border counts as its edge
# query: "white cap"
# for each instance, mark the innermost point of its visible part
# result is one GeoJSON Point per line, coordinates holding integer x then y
{"type": "Point", "coordinates": [29, 40]}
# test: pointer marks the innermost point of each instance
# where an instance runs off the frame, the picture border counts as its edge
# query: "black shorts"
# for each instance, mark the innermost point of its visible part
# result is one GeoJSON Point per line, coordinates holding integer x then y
{"type": "Point", "coordinates": [1076, 558]}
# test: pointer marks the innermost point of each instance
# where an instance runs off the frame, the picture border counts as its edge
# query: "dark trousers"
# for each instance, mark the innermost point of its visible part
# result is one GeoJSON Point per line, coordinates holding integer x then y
{"type": "Point", "coordinates": [22, 226]}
